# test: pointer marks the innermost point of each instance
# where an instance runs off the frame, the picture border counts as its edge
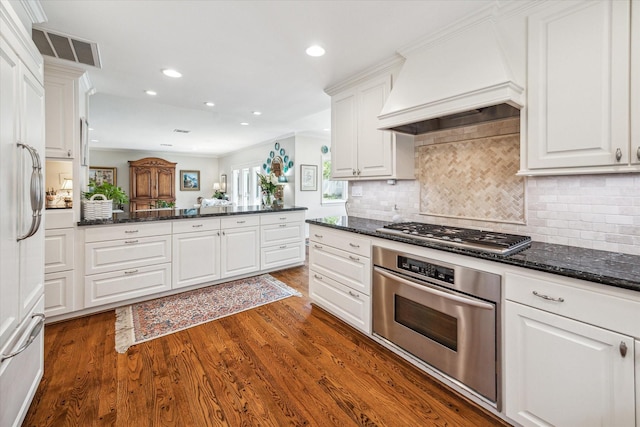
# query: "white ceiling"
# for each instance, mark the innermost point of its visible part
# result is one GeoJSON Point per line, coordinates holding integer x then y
{"type": "Point", "coordinates": [242, 55]}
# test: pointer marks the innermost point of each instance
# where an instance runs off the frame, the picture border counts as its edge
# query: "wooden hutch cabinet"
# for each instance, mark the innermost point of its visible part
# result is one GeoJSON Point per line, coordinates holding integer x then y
{"type": "Point", "coordinates": [151, 179]}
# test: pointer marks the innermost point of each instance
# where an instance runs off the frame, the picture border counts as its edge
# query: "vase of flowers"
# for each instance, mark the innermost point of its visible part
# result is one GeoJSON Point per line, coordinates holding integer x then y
{"type": "Point", "coordinates": [268, 184]}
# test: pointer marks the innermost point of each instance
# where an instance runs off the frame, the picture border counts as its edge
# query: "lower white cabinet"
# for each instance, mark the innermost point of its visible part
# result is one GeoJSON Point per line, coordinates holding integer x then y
{"type": "Point", "coordinates": [58, 293]}
{"type": "Point", "coordinates": [340, 275]}
{"type": "Point", "coordinates": [59, 255]}
{"type": "Point", "coordinates": [240, 247]}
{"type": "Point", "coordinates": [105, 288]}
{"type": "Point", "coordinates": [196, 254]}
{"type": "Point", "coordinates": [565, 364]}
{"type": "Point", "coordinates": [282, 243]}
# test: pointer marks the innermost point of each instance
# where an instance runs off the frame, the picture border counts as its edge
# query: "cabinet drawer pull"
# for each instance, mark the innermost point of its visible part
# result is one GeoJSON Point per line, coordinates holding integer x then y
{"type": "Point", "coordinates": [317, 246]}
{"type": "Point", "coordinates": [319, 236]}
{"type": "Point", "coordinates": [317, 277]}
{"type": "Point", "coordinates": [240, 222]}
{"type": "Point", "coordinates": [283, 218]}
{"type": "Point", "coordinates": [353, 245]}
{"type": "Point", "coordinates": [130, 231]}
{"type": "Point", "coordinates": [353, 294]}
{"type": "Point", "coordinates": [33, 334]}
{"type": "Point", "coordinates": [131, 241]}
{"type": "Point", "coordinates": [283, 247]}
{"type": "Point", "coordinates": [131, 272]}
{"type": "Point", "coordinates": [638, 153]}
{"type": "Point", "coordinates": [618, 154]}
{"type": "Point", "coordinates": [354, 258]}
{"type": "Point", "coordinates": [623, 349]}
{"type": "Point", "coordinates": [197, 225]}
{"type": "Point", "coordinates": [283, 225]}
{"type": "Point", "coordinates": [547, 297]}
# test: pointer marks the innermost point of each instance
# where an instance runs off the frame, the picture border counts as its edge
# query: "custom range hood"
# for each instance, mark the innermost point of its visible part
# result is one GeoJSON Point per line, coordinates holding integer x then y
{"type": "Point", "coordinates": [452, 80]}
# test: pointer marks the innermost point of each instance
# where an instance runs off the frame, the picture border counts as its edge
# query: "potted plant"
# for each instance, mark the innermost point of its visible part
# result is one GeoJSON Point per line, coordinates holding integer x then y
{"type": "Point", "coordinates": [110, 191]}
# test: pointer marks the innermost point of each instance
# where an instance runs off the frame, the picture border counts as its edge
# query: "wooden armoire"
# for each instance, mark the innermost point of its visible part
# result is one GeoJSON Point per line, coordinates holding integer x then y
{"type": "Point", "coordinates": [151, 179]}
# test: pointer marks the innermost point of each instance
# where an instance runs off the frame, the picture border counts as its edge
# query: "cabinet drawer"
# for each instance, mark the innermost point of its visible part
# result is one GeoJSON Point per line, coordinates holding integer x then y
{"type": "Point", "coordinates": [344, 267]}
{"type": "Point", "coordinates": [58, 250]}
{"type": "Point", "coordinates": [350, 306]}
{"type": "Point", "coordinates": [240, 221]}
{"type": "Point", "coordinates": [279, 218]}
{"type": "Point", "coordinates": [101, 257]}
{"type": "Point", "coordinates": [59, 218]}
{"type": "Point", "coordinates": [345, 241]}
{"type": "Point", "coordinates": [116, 232]}
{"type": "Point", "coordinates": [600, 309]}
{"type": "Point", "coordinates": [191, 225]}
{"type": "Point", "coordinates": [281, 255]}
{"type": "Point", "coordinates": [278, 234]}
{"type": "Point", "coordinates": [126, 284]}
{"type": "Point", "coordinates": [58, 293]}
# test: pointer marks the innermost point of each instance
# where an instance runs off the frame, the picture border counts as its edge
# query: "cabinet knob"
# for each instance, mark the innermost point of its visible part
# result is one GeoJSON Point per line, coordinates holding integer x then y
{"type": "Point", "coordinates": [358, 172]}
{"type": "Point", "coordinates": [68, 153]}
{"type": "Point", "coordinates": [638, 153]}
{"type": "Point", "coordinates": [618, 154]}
{"type": "Point", "coordinates": [623, 349]}
{"type": "Point", "coordinates": [353, 172]}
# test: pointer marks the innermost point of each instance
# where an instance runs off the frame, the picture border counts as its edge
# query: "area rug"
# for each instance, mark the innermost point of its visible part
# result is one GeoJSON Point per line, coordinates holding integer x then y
{"type": "Point", "coordinates": [148, 320]}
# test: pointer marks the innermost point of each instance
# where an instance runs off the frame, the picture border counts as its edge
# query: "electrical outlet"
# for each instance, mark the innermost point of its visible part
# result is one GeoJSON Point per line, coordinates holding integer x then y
{"type": "Point", "coordinates": [356, 191]}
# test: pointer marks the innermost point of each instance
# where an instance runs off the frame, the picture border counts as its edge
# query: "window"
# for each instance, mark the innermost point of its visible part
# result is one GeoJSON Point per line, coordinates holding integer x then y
{"type": "Point", "coordinates": [332, 191]}
{"type": "Point", "coordinates": [246, 191]}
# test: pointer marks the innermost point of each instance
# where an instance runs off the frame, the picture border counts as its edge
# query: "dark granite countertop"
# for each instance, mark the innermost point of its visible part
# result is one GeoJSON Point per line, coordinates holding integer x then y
{"type": "Point", "coordinates": [171, 214]}
{"type": "Point", "coordinates": [607, 268]}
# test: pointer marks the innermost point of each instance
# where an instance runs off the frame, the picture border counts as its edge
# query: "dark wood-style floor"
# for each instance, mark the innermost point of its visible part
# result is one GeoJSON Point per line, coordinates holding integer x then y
{"type": "Point", "coordinates": [286, 363]}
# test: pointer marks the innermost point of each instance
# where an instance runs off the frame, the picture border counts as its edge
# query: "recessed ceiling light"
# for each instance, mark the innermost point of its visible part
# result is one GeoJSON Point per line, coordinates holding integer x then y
{"type": "Point", "coordinates": [209, 104]}
{"type": "Point", "coordinates": [256, 113]}
{"type": "Point", "coordinates": [151, 92]}
{"type": "Point", "coordinates": [94, 140]}
{"type": "Point", "coordinates": [326, 130]}
{"type": "Point", "coordinates": [91, 129]}
{"type": "Point", "coordinates": [315, 50]}
{"type": "Point", "coordinates": [244, 124]}
{"type": "Point", "coordinates": [171, 73]}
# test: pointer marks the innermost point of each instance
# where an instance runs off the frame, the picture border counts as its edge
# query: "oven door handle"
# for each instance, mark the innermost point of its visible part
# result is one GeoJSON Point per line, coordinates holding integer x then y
{"type": "Point", "coordinates": [443, 294]}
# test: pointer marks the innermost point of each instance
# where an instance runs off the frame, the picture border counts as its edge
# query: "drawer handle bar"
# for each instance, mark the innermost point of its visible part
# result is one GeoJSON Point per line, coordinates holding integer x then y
{"type": "Point", "coordinates": [317, 246]}
{"type": "Point", "coordinates": [130, 231]}
{"type": "Point", "coordinates": [354, 294]}
{"type": "Point", "coordinates": [35, 331]}
{"type": "Point", "coordinates": [197, 225]}
{"type": "Point", "coordinates": [547, 297]}
{"type": "Point", "coordinates": [131, 241]}
{"type": "Point", "coordinates": [354, 258]}
{"type": "Point", "coordinates": [131, 272]}
{"type": "Point", "coordinates": [283, 218]}
{"type": "Point", "coordinates": [319, 236]}
{"type": "Point", "coordinates": [317, 277]}
{"type": "Point", "coordinates": [240, 222]}
{"type": "Point", "coordinates": [353, 245]}
{"type": "Point", "coordinates": [283, 247]}
{"type": "Point", "coordinates": [283, 225]}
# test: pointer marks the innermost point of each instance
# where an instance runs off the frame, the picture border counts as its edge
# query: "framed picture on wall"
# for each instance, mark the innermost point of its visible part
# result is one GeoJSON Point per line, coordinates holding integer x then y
{"type": "Point", "coordinates": [101, 174]}
{"type": "Point", "coordinates": [223, 182]}
{"type": "Point", "coordinates": [190, 180]}
{"type": "Point", "coordinates": [308, 178]}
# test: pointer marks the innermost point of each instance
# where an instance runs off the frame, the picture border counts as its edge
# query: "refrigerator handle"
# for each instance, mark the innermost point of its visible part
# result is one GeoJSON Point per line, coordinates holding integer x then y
{"type": "Point", "coordinates": [36, 191]}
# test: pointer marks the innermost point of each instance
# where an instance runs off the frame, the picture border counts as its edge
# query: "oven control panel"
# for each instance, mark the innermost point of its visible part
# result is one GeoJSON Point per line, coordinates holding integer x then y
{"type": "Point", "coordinates": [426, 269]}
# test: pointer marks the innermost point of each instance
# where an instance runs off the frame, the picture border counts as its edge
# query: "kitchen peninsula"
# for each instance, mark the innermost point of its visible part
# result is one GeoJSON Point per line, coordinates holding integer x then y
{"type": "Point", "coordinates": [148, 254]}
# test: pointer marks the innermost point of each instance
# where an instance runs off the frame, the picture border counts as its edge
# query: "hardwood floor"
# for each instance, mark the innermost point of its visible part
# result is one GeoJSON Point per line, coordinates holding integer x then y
{"type": "Point", "coordinates": [286, 363]}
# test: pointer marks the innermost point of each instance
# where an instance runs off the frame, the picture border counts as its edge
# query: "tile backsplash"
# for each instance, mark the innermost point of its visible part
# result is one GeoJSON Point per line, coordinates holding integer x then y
{"type": "Point", "coordinates": [591, 211]}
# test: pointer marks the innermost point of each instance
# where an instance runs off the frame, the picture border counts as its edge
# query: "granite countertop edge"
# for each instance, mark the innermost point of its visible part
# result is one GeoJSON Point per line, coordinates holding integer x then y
{"type": "Point", "coordinates": [177, 214]}
{"type": "Point", "coordinates": [602, 267]}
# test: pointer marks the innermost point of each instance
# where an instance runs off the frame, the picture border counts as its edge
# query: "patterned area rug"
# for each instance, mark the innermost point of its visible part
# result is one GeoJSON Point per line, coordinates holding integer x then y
{"type": "Point", "coordinates": [148, 320]}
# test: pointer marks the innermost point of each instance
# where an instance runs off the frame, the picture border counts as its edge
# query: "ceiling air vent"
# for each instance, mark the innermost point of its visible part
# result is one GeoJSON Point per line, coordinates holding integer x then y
{"type": "Point", "coordinates": [66, 47]}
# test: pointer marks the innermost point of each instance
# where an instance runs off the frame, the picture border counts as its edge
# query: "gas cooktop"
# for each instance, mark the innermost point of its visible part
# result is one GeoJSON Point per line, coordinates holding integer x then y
{"type": "Point", "coordinates": [479, 240]}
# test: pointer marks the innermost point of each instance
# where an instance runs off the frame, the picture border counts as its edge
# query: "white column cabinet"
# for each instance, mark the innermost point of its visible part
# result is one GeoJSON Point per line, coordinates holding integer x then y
{"type": "Point", "coordinates": [196, 252]}
{"type": "Point", "coordinates": [578, 88]}
{"type": "Point", "coordinates": [358, 149]}
{"type": "Point", "coordinates": [240, 245]}
{"type": "Point", "coordinates": [59, 264]}
{"type": "Point", "coordinates": [281, 240]}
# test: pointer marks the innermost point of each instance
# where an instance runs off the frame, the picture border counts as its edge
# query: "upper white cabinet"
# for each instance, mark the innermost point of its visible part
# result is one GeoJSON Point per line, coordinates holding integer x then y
{"type": "Point", "coordinates": [635, 85]}
{"type": "Point", "coordinates": [579, 60]}
{"type": "Point", "coordinates": [358, 149]}
{"type": "Point", "coordinates": [66, 87]}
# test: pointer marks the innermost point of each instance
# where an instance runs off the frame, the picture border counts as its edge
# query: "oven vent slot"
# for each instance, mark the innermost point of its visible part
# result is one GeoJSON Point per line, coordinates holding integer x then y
{"type": "Point", "coordinates": [62, 46]}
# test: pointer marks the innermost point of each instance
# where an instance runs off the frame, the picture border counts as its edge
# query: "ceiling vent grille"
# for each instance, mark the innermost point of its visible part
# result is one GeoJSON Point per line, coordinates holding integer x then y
{"type": "Point", "coordinates": [63, 46]}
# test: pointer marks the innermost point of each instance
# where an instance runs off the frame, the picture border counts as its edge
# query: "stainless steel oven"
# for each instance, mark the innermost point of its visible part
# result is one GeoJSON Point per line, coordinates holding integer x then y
{"type": "Point", "coordinates": [446, 315]}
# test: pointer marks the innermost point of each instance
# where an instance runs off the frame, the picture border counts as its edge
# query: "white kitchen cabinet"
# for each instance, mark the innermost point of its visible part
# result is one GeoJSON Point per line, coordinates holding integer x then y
{"type": "Point", "coordinates": [58, 293]}
{"type": "Point", "coordinates": [578, 89]}
{"type": "Point", "coordinates": [126, 261]}
{"type": "Point", "coordinates": [239, 245]}
{"type": "Point", "coordinates": [59, 264]}
{"type": "Point", "coordinates": [282, 240]}
{"type": "Point", "coordinates": [196, 252]}
{"type": "Point", "coordinates": [58, 250]}
{"type": "Point", "coordinates": [358, 149]}
{"type": "Point", "coordinates": [340, 275]}
{"type": "Point", "coordinates": [65, 86]}
{"type": "Point", "coordinates": [635, 86]}
{"type": "Point", "coordinates": [569, 354]}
